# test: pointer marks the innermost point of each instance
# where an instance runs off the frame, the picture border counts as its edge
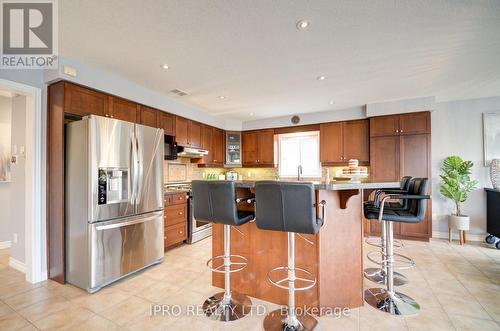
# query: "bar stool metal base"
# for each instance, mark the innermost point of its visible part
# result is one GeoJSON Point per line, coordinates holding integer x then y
{"type": "Point", "coordinates": [275, 321]}
{"type": "Point", "coordinates": [395, 304]}
{"type": "Point", "coordinates": [215, 307]}
{"type": "Point", "coordinates": [377, 275]}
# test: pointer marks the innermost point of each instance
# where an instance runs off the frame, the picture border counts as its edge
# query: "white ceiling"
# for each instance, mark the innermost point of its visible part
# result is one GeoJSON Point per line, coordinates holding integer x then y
{"type": "Point", "coordinates": [251, 52]}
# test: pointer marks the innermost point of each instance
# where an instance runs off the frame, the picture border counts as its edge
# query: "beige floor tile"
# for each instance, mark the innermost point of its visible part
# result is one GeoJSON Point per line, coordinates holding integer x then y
{"type": "Point", "coordinates": [44, 308]}
{"type": "Point", "coordinates": [153, 323]}
{"type": "Point", "coordinates": [101, 300]}
{"type": "Point", "coordinates": [17, 288]}
{"type": "Point", "coordinates": [466, 306]}
{"type": "Point", "coordinates": [127, 311]}
{"type": "Point", "coordinates": [97, 323]}
{"type": "Point", "coordinates": [28, 298]}
{"type": "Point", "coordinates": [66, 319]}
{"type": "Point", "coordinates": [135, 284]}
{"type": "Point", "coordinates": [334, 323]}
{"type": "Point", "coordinates": [429, 319]}
{"type": "Point", "coordinates": [371, 319]}
{"type": "Point", "coordinates": [12, 321]}
{"type": "Point", "coordinates": [473, 324]}
{"type": "Point", "coordinates": [66, 290]}
{"type": "Point", "coordinates": [4, 309]}
{"type": "Point", "coordinates": [158, 291]}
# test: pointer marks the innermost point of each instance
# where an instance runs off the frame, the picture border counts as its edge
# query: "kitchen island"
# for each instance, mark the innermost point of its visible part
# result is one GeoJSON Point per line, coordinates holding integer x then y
{"type": "Point", "coordinates": [334, 255]}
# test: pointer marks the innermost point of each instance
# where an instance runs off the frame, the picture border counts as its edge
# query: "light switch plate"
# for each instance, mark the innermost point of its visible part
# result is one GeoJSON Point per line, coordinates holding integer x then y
{"type": "Point", "coordinates": [70, 71]}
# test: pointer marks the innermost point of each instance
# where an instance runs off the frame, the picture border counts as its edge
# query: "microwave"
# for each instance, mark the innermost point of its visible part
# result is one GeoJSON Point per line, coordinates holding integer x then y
{"type": "Point", "coordinates": [170, 148]}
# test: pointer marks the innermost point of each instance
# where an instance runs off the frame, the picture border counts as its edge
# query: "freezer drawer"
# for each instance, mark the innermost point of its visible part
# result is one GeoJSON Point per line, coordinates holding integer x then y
{"type": "Point", "coordinates": [122, 247]}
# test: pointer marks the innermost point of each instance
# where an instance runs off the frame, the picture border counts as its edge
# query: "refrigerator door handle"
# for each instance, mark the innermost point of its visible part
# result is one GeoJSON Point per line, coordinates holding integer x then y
{"type": "Point", "coordinates": [140, 165]}
{"type": "Point", "coordinates": [122, 224]}
{"type": "Point", "coordinates": [133, 166]}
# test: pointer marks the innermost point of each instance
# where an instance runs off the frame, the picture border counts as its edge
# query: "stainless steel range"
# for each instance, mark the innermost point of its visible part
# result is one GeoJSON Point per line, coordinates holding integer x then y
{"type": "Point", "coordinates": [197, 230]}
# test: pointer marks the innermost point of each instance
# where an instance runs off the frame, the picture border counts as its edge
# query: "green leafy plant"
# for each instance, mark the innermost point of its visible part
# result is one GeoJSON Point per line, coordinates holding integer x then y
{"type": "Point", "coordinates": [457, 183]}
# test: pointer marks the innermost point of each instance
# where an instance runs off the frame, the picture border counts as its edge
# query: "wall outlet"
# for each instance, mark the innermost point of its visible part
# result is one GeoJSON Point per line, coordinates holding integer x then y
{"type": "Point", "coordinates": [14, 238]}
{"type": "Point", "coordinates": [70, 71]}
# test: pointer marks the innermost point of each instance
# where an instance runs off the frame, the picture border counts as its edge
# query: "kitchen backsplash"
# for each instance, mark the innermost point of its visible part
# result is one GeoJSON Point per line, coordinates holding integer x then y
{"type": "Point", "coordinates": [183, 170]}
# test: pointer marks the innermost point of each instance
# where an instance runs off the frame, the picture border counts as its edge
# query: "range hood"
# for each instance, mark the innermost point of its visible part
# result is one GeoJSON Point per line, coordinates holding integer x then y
{"type": "Point", "coordinates": [191, 152]}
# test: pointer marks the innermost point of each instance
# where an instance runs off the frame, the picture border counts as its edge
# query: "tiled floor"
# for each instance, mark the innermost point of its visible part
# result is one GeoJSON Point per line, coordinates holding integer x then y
{"type": "Point", "coordinates": [457, 287]}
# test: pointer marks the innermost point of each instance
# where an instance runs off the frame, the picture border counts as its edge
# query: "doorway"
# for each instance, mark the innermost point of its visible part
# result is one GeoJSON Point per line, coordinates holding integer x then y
{"type": "Point", "coordinates": [21, 181]}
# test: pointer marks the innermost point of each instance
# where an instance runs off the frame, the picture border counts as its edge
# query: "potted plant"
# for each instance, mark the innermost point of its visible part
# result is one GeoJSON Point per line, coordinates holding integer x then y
{"type": "Point", "coordinates": [456, 186]}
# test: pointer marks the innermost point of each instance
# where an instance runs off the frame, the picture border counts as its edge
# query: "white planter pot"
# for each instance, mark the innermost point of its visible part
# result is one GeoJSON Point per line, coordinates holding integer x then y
{"type": "Point", "coordinates": [459, 222]}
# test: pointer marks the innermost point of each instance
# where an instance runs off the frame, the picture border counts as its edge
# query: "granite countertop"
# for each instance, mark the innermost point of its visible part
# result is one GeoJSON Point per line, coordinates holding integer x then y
{"type": "Point", "coordinates": [334, 186]}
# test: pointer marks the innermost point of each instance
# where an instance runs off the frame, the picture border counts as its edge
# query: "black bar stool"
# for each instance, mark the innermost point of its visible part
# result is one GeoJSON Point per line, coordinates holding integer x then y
{"type": "Point", "coordinates": [215, 201]}
{"type": "Point", "coordinates": [289, 207]}
{"type": "Point", "coordinates": [378, 275]}
{"type": "Point", "coordinates": [387, 299]}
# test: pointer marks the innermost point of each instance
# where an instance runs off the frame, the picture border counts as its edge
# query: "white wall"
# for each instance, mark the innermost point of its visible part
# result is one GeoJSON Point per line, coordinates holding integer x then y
{"type": "Point", "coordinates": [309, 118]}
{"type": "Point", "coordinates": [5, 137]}
{"type": "Point", "coordinates": [457, 129]}
{"type": "Point", "coordinates": [18, 183]}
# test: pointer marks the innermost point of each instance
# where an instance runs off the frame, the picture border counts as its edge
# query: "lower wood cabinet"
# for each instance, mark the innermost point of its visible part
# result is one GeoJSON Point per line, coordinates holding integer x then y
{"type": "Point", "coordinates": [175, 219]}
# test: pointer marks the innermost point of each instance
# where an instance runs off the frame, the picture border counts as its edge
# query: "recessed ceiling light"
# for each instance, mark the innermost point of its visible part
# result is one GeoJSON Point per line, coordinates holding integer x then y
{"type": "Point", "coordinates": [302, 24]}
{"type": "Point", "coordinates": [165, 66]}
{"type": "Point", "coordinates": [321, 78]}
{"type": "Point", "coordinates": [251, 114]}
{"type": "Point", "coordinates": [221, 97]}
{"type": "Point", "coordinates": [331, 102]}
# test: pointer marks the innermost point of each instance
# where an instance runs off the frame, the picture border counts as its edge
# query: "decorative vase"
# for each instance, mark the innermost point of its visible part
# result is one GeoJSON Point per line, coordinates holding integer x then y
{"type": "Point", "coordinates": [495, 173]}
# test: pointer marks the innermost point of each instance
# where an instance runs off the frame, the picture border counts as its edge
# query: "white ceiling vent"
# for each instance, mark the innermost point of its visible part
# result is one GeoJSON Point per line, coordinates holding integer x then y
{"type": "Point", "coordinates": [179, 92]}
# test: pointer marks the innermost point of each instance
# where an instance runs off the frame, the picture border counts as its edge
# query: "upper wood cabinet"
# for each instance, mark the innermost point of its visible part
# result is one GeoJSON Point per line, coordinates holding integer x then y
{"type": "Point", "coordinates": [149, 117]}
{"type": "Point", "coordinates": [181, 131]}
{"type": "Point", "coordinates": [122, 109]}
{"type": "Point", "coordinates": [342, 141]}
{"type": "Point", "coordinates": [249, 147]}
{"type": "Point", "coordinates": [194, 134]}
{"type": "Point", "coordinates": [218, 146]}
{"type": "Point", "coordinates": [356, 140]}
{"type": "Point", "coordinates": [384, 161]}
{"type": "Point", "coordinates": [207, 143]}
{"type": "Point", "coordinates": [331, 142]}
{"type": "Point", "coordinates": [167, 123]}
{"type": "Point", "coordinates": [410, 123]}
{"type": "Point", "coordinates": [258, 148]}
{"type": "Point", "coordinates": [79, 100]}
{"type": "Point", "coordinates": [187, 132]}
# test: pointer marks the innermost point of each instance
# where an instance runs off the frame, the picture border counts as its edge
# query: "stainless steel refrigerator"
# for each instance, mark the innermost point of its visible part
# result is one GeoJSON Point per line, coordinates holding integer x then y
{"type": "Point", "coordinates": [114, 200]}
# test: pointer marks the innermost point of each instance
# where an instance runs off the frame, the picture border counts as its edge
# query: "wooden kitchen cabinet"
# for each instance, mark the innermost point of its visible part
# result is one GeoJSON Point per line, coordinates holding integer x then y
{"type": "Point", "coordinates": [207, 143]}
{"type": "Point", "coordinates": [249, 148]}
{"type": "Point", "coordinates": [181, 131]}
{"type": "Point", "coordinates": [342, 141]}
{"type": "Point", "coordinates": [406, 151]}
{"type": "Point", "coordinates": [82, 101]}
{"type": "Point", "coordinates": [187, 132]}
{"type": "Point", "coordinates": [149, 116]}
{"type": "Point", "coordinates": [356, 140]}
{"type": "Point", "coordinates": [175, 219]}
{"type": "Point", "coordinates": [404, 124]}
{"type": "Point", "coordinates": [258, 148]}
{"type": "Point", "coordinates": [122, 109]}
{"type": "Point", "coordinates": [331, 144]}
{"type": "Point", "coordinates": [218, 146]}
{"type": "Point", "coordinates": [167, 123]}
{"type": "Point", "coordinates": [194, 134]}
{"type": "Point", "coordinates": [265, 142]}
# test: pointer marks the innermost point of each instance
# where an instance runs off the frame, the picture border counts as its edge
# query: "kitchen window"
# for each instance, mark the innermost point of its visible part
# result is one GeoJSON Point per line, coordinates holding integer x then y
{"type": "Point", "coordinates": [299, 149]}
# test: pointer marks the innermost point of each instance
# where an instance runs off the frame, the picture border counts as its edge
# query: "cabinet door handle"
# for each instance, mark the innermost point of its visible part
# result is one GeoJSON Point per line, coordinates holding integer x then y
{"type": "Point", "coordinates": [165, 238]}
{"type": "Point", "coordinates": [397, 131]}
{"type": "Point", "coordinates": [180, 213]}
{"type": "Point", "coordinates": [180, 232]}
{"type": "Point", "coordinates": [401, 131]}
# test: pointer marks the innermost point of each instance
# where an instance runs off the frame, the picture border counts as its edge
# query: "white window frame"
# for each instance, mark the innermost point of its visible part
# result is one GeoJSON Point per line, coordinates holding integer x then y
{"type": "Point", "coordinates": [297, 135]}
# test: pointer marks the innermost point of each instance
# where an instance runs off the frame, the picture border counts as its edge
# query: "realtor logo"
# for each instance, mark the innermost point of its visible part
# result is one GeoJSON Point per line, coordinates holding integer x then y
{"type": "Point", "coordinates": [29, 34]}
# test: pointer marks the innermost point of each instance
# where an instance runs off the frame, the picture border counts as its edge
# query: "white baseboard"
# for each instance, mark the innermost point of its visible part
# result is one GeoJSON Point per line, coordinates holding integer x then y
{"type": "Point", "coordinates": [454, 236]}
{"type": "Point", "coordinates": [18, 265]}
{"type": "Point", "coordinates": [5, 244]}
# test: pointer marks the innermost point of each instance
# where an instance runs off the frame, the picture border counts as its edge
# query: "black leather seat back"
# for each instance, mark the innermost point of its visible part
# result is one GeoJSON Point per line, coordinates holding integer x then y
{"type": "Point", "coordinates": [405, 183]}
{"type": "Point", "coordinates": [215, 201]}
{"type": "Point", "coordinates": [418, 186]}
{"type": "Point", "coordinates": [286, 206]}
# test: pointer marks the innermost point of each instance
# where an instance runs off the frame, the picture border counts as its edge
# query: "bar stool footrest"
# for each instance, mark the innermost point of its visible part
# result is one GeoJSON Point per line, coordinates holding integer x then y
{"type": "Point", "coordinates": [376, 242]}
{"type": "Point", "coordinates": [242, 263]}
{"type": "Point", "coordinates": [279, 283]}
{"type": "Point", "coordinates": [404, 262]}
